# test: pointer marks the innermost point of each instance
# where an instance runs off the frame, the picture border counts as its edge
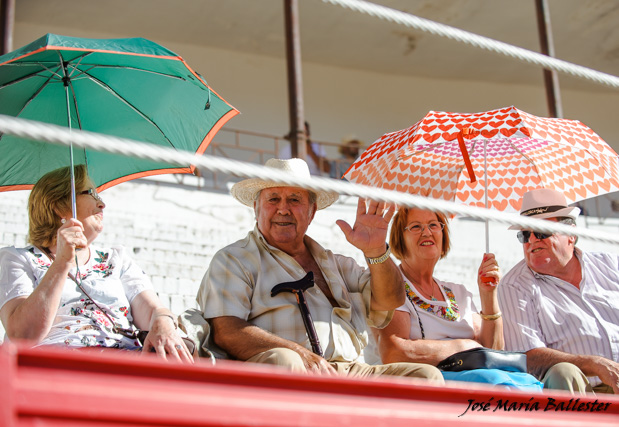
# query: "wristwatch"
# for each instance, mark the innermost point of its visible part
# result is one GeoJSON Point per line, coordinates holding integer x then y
{"type": "Point", "coordinates": [380, 259]}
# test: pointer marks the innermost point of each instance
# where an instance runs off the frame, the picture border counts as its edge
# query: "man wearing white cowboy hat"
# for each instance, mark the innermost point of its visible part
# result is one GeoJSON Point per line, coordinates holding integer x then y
{"type": "Point", "coordinates": [560, 304]}
{"type": "Point", "coordinates": [250, 324]}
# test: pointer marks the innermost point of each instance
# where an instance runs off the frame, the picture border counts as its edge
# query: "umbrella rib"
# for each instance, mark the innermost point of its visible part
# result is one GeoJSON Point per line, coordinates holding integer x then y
{"type": "Point", "coordinates": [32, 75]}
{"type": "Point", "coordinates": [473, 145]}
{"type": "Point", "coordinates": [126, 102]}
{"type": "Point", "coordinates": [124, 67]}
{"type": "Point", "coordinates": [77, 111]}
{"type": "Point", "coordinates": [34, 95]}
{"type": "Point", "coordinates": [524, 155]}
{"type": "Point", "coordinates": [23, 78]}
{"type": "Point", "coordinates": [428, 148]}
{"type": "Point", "coordinates": [54, 73]}
{"type": "Point", "coordinates": [80, 71]}
{"type": "Point", "coordinates": [423, 150]}
{"type": "Point", "coordinates": [75, 68]}
{"type": "Point", "coordinates": [145, 71]}
{"type": "Point", "coordinates": [43, 65]}
{"type": "Point", "coordinates": [76, 64]}
{"type": "Point", "coordinates": [40, 64]}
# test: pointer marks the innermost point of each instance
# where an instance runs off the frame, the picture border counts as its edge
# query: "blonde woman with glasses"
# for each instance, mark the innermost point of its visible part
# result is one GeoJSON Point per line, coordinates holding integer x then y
{"type": "Point", "coordinates": [62, 290]}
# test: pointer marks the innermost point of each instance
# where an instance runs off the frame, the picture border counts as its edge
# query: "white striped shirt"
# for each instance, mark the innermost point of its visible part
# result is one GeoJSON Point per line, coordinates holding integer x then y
{"type": "Point", "coordinates": [545, 311]}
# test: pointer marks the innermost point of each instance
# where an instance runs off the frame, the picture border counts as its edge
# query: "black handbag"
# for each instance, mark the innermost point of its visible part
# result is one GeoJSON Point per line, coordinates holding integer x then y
{"type": "Point", "coordinates": [480, 358]}
{"type": "Point", "coordinates": [484, 358]}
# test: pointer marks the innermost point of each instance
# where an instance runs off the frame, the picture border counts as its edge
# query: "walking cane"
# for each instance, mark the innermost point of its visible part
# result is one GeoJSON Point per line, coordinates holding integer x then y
{"type": "Point", "coordinates": [297, 289]}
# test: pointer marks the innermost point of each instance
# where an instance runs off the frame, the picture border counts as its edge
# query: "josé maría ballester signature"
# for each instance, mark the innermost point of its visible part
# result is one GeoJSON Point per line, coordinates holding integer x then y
{"type": "Point", "coordinates": [536, 404]}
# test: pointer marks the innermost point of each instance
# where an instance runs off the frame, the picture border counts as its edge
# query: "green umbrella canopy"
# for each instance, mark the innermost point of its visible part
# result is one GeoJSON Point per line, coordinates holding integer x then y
{"type": "Point", "coordinates": [130, 88]}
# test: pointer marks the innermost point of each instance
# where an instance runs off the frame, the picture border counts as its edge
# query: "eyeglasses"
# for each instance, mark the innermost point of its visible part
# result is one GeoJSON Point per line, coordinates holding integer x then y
{"type": "Point", "coordinates": [94, 194]}
{"type": "Point", "coordinates": [525, 235]}
{"type": "Point", "coordinates": [434, 227]}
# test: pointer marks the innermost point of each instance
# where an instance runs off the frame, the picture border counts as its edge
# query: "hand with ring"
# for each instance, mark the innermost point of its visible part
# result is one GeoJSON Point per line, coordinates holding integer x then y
{"type": "Point", "coordinates": [163, 338]}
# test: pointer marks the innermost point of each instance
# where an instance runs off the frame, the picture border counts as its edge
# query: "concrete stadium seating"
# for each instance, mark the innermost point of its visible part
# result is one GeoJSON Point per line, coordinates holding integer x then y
{"type": "Point", "coordinates": [174, 231]}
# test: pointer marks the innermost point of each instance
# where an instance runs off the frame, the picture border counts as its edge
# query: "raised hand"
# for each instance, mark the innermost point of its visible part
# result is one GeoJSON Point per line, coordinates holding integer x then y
{"type": "Point", "coordinates": [369, 232]}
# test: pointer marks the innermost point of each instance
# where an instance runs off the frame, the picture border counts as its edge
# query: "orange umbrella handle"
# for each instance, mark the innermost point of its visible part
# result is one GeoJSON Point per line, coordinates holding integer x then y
{"type": "Point", "coordinates": [465, 154]}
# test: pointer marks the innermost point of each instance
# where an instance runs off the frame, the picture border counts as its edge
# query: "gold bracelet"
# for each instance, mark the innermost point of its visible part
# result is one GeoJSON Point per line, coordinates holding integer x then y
{"type": "Point", "coordinates": [379, 260]}
{"type": "Point", "coordinates": [490, 316]}
{"type": "Point", "coordinates": [170, 316]}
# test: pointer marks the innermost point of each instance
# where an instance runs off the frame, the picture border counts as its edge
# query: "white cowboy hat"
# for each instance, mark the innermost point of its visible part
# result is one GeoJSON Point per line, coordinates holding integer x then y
{"type": "Point", "coordinates": [245, 191]}
{"type": "Point", "coordinates": [545, 203]}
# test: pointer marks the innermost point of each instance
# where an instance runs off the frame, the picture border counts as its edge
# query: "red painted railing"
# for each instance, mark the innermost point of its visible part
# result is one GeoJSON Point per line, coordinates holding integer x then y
{"type": "Point", "coordinates": [55, 387]}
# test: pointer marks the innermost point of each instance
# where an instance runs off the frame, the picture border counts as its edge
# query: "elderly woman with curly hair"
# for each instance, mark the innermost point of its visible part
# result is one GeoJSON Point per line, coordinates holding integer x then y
{"type": "Point", "coordinates": [438, 318]}
{"type": "Point", "coordinates": [63, 290]}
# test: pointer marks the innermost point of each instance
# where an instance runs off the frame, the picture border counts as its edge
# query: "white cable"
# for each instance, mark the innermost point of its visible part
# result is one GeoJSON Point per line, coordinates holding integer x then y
{"type": "Point", "coordinates": [59, 135]}
{"type": "Point", "coordinates": [443, 30]}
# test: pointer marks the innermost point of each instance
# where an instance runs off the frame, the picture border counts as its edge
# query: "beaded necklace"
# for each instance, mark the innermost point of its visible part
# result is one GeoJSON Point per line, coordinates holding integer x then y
{"type": "Point", "coordinates": [450, 313]}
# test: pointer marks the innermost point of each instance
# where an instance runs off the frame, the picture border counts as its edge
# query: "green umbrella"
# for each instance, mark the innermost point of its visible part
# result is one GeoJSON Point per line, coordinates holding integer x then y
{"type": "Point", "coordinates": [131, 88]}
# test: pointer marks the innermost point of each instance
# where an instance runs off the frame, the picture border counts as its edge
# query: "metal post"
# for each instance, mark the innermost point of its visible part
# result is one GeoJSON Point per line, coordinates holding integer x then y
{"type": "Point", "coordinates": [7, 20]}
{"type": "Point", "coordinates": [551, 78]}
{"type": "Point", "coordinates": [295, 80]}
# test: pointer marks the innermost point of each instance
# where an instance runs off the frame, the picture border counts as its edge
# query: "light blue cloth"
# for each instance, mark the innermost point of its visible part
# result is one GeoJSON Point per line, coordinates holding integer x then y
{"type": "Point", "coordinates": [510, 380]}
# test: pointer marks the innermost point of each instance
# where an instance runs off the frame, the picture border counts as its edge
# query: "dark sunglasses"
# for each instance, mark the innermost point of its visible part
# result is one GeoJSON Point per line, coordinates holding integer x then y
{"type": "Point", "coordinates": [523, 236]}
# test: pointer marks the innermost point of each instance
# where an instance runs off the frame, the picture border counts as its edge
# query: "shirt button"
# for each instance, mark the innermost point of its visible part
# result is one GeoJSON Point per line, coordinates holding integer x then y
{"type": "Point", "coordinates": [318, 291]}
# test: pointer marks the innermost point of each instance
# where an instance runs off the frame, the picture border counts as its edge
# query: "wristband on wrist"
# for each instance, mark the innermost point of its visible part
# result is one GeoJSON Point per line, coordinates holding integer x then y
{"type": "Point", "coordinates": [490, 316]}
{"type": "Point", "coordinates": [384, 257]}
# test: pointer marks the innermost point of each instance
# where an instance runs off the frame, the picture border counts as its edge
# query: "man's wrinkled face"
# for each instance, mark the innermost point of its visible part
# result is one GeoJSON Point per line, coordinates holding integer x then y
{"type": "Point", "coordinates": [284, 214]}
{"type": "Point", "coordinates": [549, 255]}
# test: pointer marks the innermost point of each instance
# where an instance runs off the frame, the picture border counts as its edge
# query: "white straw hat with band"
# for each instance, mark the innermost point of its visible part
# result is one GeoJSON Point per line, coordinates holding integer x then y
{"type": "Point", "coordinates": [245, 191]}
{"type": "Point", "coordinates": [545, 203]}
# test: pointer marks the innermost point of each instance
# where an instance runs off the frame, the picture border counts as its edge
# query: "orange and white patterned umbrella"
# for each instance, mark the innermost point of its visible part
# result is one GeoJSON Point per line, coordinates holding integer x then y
{"type": "Point", "coordinates": [507, 152]}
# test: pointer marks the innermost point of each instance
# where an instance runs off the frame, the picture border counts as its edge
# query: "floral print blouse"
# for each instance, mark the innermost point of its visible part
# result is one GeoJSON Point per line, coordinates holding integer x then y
{"type": "Point", "coordinates": [110, 277]}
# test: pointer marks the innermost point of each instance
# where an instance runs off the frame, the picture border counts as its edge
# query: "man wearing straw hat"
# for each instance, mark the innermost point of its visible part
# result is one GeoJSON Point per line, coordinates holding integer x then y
{"type": "Point", "coordinates": [250, 324]}
{"type": "Point", "coordinates": [560, 304]}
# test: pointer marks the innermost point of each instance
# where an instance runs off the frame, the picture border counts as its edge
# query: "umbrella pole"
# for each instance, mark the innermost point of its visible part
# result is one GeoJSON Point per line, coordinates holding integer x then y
{"type": "Point", "coordinates": [65, 81]}
{"type": "Point", "coordinates": [486, 195]}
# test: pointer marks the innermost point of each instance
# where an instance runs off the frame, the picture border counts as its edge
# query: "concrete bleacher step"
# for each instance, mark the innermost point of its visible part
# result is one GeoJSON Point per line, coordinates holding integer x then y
{"type": "Point", "coordinates": [173, 233]}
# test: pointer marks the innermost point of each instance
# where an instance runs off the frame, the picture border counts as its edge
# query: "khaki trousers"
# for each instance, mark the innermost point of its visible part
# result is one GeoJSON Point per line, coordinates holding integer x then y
{"type": "Point", "coordinates": [566, 376]}
{"type": "Point", "coordinates": [291, 360]}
